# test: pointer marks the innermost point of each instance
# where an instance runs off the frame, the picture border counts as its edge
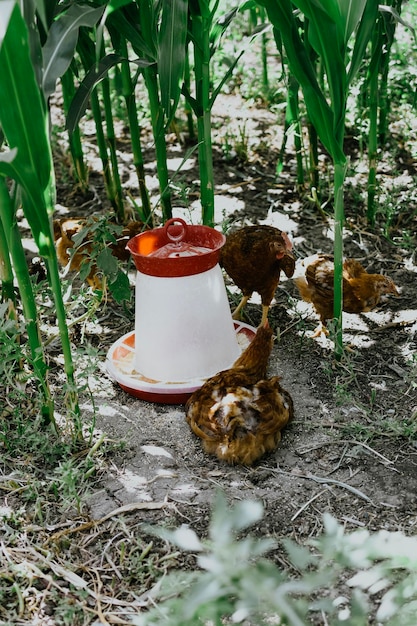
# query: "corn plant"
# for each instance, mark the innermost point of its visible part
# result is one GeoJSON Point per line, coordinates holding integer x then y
{"type": "Point", "coordinates": [6, 269]}
{"type": "Point", "coordinates": [86, 94]}
{"type": "Point", "coordinates": [207, 26]}
{"type": "Point", "coordinates": [156, 33]}
{"type": "Point", "coordinates": [74, 139]}
{"type": "Point", "coordinates": [24, 120]}
{"type": "Point", "coordinates": [332, 24]}
{"type": "Point", "coordinates": [377, 88]}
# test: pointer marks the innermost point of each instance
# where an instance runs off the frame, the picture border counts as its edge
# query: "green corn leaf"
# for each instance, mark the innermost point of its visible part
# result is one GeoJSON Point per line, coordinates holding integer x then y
{"type": "Point", "coordinates": [126, 22]}
{"type": "Point", "coordinates": [23, 120]}
{"type": "Point", "coordinates": [363, 35]}
{"type": "Point", "coordinates": [384, 8]}
{"type": "Point", "coordinates": [171, 52]}
{"type": "Point", "coordinates": [42, 11]}
{"type": "Point", "coordinates": [321, 115]}
{"type": "Point", "coordinates": [326, 35]}
{"type": "Point", "coordinates": [94, 76]}
{"type": "Point", "coordinates": [225, 78]}
{"type": "Point", "coordinates": [220, 27]}
{"type": "Point", "coordinates": [59, 48]}
{"type": "Point", "coordinates": [112, 6]}
{"type": "Point", "coordinates": [351, 12]}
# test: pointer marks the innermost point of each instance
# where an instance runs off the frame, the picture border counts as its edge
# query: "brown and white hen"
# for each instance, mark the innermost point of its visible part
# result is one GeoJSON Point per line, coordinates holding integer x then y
{"type": "Point", "coordinates": [239, 413]}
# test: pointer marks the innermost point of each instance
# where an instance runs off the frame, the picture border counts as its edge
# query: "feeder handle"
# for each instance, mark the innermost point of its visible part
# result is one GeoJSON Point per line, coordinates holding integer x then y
{"type": "Point", "coordinates": [175, 238]}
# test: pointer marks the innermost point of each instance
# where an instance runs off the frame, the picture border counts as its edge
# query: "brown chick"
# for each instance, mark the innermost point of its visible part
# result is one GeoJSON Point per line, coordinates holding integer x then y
{"type": "Point", "coordinates": [238, 413]}
{"type": "Point", "coordinates": [66, 229]}
{"type": "Point", "coordinates": [361, 291]}
{"type": "Point", "coordinates": [254, 256]}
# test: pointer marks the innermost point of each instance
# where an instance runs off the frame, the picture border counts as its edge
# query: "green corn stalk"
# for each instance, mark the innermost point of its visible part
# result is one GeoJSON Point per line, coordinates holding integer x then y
{"type": "Point", "coordinates": [313, 158]}
{"type": "Point", "coordinates": [111, 143]}
{"type": "Point", "coordinates": [205, 33]}
{"type": "Point", "coordinates": [157, 33]}
{"type": "Point", "coordinates": [86, 51]}
{"type": "Point", "coordinates": [331, 25]}
{"type": "Point", "coordinates": [128, 91]}
{"type": "Point", "coordinates": [24, 122]}
{"type": "Point", "coordinates": [59, 28]}
{"type": "Point", "coordinates": [80, 168]}
{"type": "Point", "coordinates": [6, 270]}
{"type": "Point", "coordinates": [188, 108]}
{"type": "Point", "coordinates": [17, 254]}
{"type": "Point", "coordinates": [382, 40]}
{"type": "Point", "coordinates": [138, 23]}
{"type": "Point", "coordinates": [257, 13]}
{"type": "Point", "coordinates": [391, 15]}
{"type": "Point", "coordinates": [87, 94]}
{"type": "Point", "coordinates": [147, 22]}
{"type": "Point", "coordinates": [373, 100]}
{"type": "Point", "coordinates": [201, 22]}
{"type": "Point", "coordinates": [292, 123]}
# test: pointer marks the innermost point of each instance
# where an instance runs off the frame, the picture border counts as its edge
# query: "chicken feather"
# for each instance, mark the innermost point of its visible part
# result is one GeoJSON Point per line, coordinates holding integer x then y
{"type": "Point", "coordinates": [254, 257]}
{"type": "Point", "coordinates": [238, 413]}
{"type": "Point", "coordinates": [361, 291]}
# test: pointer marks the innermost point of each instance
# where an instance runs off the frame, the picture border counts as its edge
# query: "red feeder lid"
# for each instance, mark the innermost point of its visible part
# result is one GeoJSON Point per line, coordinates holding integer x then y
{"type": "Point", "coordinates": [176, 249]}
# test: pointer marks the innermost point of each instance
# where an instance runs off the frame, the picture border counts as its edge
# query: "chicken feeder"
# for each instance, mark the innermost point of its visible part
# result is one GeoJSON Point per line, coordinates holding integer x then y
{"type": "Point", "coordinates": [184, 330]}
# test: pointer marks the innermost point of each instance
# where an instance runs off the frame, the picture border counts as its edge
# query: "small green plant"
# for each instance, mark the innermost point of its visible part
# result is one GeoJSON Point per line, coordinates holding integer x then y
{"type": "Point", "coordinates": [93, 243]}
{"type": "Point", "coordinates": [70, 481]}
{"type": "Point", "coordinates": [236, 581]}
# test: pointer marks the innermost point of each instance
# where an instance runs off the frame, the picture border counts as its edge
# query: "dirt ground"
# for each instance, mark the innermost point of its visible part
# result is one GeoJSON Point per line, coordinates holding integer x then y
{"type": "Point", "coordinates": [347, 450]}
{"type": "Point", "coordinates": [351, 448]}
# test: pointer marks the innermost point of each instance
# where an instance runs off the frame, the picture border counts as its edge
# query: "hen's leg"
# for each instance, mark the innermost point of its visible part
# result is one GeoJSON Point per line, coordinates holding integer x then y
{"type": "Point", "coordinates": [265, 310]}
{"type": "Point", "coordinates": [237, 312]}
{"type": "Point", "coordinates": [319, 330]}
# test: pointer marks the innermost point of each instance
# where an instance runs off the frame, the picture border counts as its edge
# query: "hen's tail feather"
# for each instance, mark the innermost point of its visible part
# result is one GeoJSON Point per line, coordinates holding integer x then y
{"type": "Point", "coordinates": [304, 288]}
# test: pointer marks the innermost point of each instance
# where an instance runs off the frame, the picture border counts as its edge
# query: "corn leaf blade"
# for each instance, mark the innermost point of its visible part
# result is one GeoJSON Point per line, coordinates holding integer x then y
{"type": "Point", "coordinates": [321, 115]}
{"type": "Point", "coordinates": [23, 121]}
{"type": "Point", "coordinates": [326, 35]}
{"type": "Point", "coordinates": [171, 52]}
{"type": "Point", "coordinates": [363, 35]}
{"type": "Point", "coordinates": [59, 47]}
{"type": "Point", "coordinates": [91, 79]}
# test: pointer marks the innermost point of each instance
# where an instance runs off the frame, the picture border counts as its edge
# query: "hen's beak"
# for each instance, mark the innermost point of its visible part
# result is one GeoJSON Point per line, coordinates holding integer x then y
{"type": "Point", "coordinates": [288, 264]}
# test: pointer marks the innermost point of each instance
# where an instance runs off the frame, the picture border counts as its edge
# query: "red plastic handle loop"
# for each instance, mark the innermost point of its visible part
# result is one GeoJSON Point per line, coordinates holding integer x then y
{"type": "Point", "coordinates": [179, 233]}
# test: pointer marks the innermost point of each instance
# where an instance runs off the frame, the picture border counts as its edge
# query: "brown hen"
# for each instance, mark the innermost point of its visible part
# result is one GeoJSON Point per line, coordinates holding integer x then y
{"type": "Point", "coordinates": [361, 291]}
{"type": "Point", "coordinates": [90, 234]}
{"type": "Point", "coordinates": [238, 413]}
{"type": "Point", "coordinates": [254, 257]}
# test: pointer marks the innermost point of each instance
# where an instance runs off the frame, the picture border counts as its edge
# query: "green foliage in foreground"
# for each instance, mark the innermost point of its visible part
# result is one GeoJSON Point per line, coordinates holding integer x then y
{"type": "Point", "coordinates": [236, 581]}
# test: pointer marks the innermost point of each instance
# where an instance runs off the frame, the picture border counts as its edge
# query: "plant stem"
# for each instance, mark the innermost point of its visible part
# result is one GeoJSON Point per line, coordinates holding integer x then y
{"type": "Point", "coordinates": [339, 218]}
{"type": "Point", "coordinates": [373, 99]}
{"type": "Point", "coordinates": [111, 141]}
{"type": "Point", "coordinates": [128, 90]}
{"type": "Point", "coordinates": [6, 271]}
{"type": "Point", "coordinates": [74, 138]}
{"type": "Point", "coordinates": [158, 128]}
{"type": "Point", "coordinates": [188, 108]}
{"type": "Point", "coordinates": [313, 158]}
{"type": "Point", "coordinates": [200, 26]}
{"type": "Point", "coordinates": [55, 281]}
{"type": "Point", "coordinates": [86, 51]}
{"type": "Point", "coordinates": [14, 244]}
